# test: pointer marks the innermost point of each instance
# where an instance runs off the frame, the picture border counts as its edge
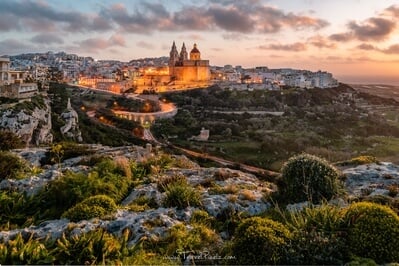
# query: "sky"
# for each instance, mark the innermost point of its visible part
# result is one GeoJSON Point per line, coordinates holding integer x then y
{"type": "Point", "coordinates": [356, 40]}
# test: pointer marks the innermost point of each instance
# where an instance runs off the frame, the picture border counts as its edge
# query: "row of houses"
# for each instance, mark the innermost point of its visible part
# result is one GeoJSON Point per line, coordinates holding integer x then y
{"type": "Point", "coordinates": [13, 83]}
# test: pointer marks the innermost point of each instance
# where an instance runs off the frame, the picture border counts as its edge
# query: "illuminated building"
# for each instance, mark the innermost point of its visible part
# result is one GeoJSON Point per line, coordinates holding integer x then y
{"type": "Point", "coordinates": [184, 70]}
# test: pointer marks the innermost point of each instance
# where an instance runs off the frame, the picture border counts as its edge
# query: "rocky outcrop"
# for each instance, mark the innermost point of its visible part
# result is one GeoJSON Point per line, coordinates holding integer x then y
{"type": "Point", "coordinates": [30, 121]}
{"type": "Point", "coordinates": [372, 179]}
{"type": "Point", "coordinates": [71, 127]}
{"type": "Point", "coordinates": [222, 190]}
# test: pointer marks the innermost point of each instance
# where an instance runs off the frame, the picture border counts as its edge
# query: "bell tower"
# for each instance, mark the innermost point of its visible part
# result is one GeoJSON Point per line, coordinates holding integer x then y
{"type": "Point", "coordinates": [173, 55]}
{"type": "Point", "coordinates": [183, 53]}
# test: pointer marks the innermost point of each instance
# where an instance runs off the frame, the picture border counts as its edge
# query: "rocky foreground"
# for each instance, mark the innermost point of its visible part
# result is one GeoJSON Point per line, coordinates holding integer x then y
{"type": "Point", "coordinates": [231, 189]}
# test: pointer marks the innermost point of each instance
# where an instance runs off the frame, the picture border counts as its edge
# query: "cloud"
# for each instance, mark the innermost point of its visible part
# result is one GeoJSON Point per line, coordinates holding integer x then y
{"type": "Point", "coordinates": [195, 37]}
{"type": "Point", "coordinates": [28, 15]}
{"type": "Point", "coordinates": [231, 19]}
{"type": "Point", "coordinates": [117, 40]}
{"type": "Point", "coordinates": [320, 42]}
{"type": "Point", "coordinates": [94, 45]}
{"type": "Point", "coordinates": [341, 37]}
{"type": "Point", "coordinates": [392, 10]}
{"type": "Point", "coordinates": [234, 36]}
{"type": "Point", "coordinates": [366, 46]}
{"type": "Point", "coordinates": [7, 23]}
{"type": "Point", "coordinates": [393, 49]}
{"type": "Point", "coordinates": [294, 47]}
{"type": "Point", "coordinates": [190, 18]}
{"type": "Point", "coordinates": [13, 46]}
{"type": "Point", "coordinates": [147, 17]}
{"type": "Point", "coordinates": [145, 45]}
{"type": "Point", "coordinates": [46, 39]}
{"type": "Point", "coordinates": [376, 29]}
{"type": "Point", "coordinates": [372, 29]}
{"type": "Point", "coordinates": [232, 16]}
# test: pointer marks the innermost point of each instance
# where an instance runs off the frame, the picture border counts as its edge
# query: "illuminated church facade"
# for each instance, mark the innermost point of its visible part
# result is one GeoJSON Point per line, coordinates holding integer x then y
{"type": "Point", "coordinates": [185, 69]}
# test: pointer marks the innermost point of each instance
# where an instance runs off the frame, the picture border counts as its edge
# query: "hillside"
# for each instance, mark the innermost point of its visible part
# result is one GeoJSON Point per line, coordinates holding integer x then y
{"type": "Point", "coordinates": [265, 128]}
{"type": "Point", "coordinates": [72, 203]}
{"type": "Point", "coordinates": [157, 208]}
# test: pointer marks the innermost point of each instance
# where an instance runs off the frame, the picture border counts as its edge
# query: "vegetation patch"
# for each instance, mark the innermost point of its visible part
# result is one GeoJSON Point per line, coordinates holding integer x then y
{"type": "Point", "coordinates": [12, 166]}
{"type": "Point", "coordinates": [261, 241]}
{"type": "Point", "coordinates": [373, 232]}
{"type": "Point", "coordinates": [181, 195]}
{"type": "Point", "coordinates": [309, 178]}
{"type": "Point", "coordinates": [93, 207]}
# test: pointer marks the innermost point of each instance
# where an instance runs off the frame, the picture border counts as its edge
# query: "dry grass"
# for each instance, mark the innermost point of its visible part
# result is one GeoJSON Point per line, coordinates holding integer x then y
{"type": "Point", "coordinates": [123, 164]}
{"type": "Point", "coordinates": [248, 195]}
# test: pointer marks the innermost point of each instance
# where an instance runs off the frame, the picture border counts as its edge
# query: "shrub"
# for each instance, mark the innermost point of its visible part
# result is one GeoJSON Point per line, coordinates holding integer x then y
{"type": "Point", "coordinates": [373, 232]}
{"type": "Point", "coordinates": [94, 247]}
{"type": "Point", "coordinates": [9, 140]}
{"type": "Point", "coordinates": [122, 163]}
{"type": "Point", "coordinates": [19, 251]}
{"type": "Point", "coordinates": [17, 209]}
{"type": "Point", "coordinates": [181, 195]}
{"type": "Point", "coordinates": [164, 181]}
{"type": "Point", "coordinates": [12, 166]}
{"type": "Point", "coordinates": [96, 206]}
{"type": "Point", "coordinates": [260, 241]}
{"type": "Point", "coordinates": [72, 188]}
{"type": "Point", "coordinates": [191, 241]}
{"type": "Point", "coordinates": [307, 177]}
{"type": "Point", "coordinates": [143, 203]}
{"type": "Point", "coordinates": [66, 150]}
{"type": "Point", "coordinates": [202, 217]}
{"type": "Point", "coordinates": [228, 219]}
{"type": "Point", "coordinates": [317, 235]}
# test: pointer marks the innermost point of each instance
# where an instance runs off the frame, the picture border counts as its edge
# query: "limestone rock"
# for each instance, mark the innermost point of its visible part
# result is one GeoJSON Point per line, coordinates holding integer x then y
{"type": "Point", "coordinates": [71, 127]}
{"type": "Point", "coordinates": [371, 179]}
{"type": "Point", "coordinates": [33, 127]}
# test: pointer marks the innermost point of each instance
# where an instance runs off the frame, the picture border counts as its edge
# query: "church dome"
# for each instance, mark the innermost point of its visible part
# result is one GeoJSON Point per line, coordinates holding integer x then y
{"type": "Point", "coordinates": [195, 49]}
{"type": "Point", "coordinates": [195, 53]}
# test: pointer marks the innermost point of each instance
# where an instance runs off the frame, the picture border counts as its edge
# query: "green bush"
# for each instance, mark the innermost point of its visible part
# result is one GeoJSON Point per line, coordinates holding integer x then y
{"type": "Point", "coordinates": [308, 178]}
{"type": "Point", "coordinates": [72, 188]}
{"type": "Point", "coordinates": [17, 209]}
{"type": "Point", "coordinates": [12, 166]}
{"type": "Point", "coordinates": [9, 141]}
{"type": "Point", "coordinates": [202, 217]}
{"type": "Point", "coordinates": [260, 241]}
{"type": "Point", "coordinates": [317, 236]}
{"type": "Point", "coordinates": [96, 206]}
{"type": "Point", "coordinates": [198, 239]}
{"type": "Point", "coordinates": [94, 247]}
{"type": "Point", "coordinates": [373, 232]}
{"type": "Point", "coordinates": [19, 251]}
{"type": "Point", "coordinates": [164, 181]}
{"type": "Point", "coordinates": [66, 150]}
{"type": "Point", "coordinates": [181, 195]}
{"type": "Point", "coordinates": [143, 203]}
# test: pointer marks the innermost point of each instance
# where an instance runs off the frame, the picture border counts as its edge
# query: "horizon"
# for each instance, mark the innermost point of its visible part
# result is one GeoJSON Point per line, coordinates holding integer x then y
{"type": "Point", "coordinates": [357, 47]}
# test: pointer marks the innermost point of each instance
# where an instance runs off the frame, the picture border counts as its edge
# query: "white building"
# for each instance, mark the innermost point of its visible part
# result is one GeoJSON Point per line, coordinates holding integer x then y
{"type": "Point", "coordinates": [4, 71]}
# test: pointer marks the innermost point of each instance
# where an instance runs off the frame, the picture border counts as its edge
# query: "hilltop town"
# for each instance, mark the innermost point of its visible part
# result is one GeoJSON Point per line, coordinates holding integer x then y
{"type": "Point", "coordinates": [179, 70]}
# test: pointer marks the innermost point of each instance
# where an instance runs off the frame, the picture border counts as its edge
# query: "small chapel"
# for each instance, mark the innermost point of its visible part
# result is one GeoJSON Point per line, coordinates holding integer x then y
{"type": "Point", "coordinates": [184, 69]}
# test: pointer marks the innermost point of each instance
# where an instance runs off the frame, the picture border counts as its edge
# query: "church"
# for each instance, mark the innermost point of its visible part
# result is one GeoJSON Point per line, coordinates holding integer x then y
{"type": "Point", "coordinates": [187, 70]}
